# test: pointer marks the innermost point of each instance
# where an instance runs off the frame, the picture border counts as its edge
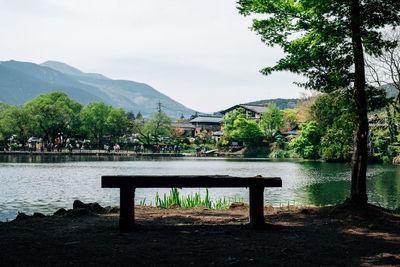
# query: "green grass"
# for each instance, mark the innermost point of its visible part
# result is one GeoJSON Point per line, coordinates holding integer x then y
{"type": "Point", "coordinates": [191, 201]}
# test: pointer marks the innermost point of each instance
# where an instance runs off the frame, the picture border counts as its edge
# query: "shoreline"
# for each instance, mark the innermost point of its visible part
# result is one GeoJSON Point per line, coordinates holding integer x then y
{"type": "Point", "coordinates": [96, 152]}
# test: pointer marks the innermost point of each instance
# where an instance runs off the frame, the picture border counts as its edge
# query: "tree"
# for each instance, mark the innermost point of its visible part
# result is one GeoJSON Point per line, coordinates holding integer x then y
{"type": "Point", "coordinates": [325, 41]}
{"type": "Point", "coordinates": [51, 114]}
{"type": "Point", "coordinates": [384, 72]}
{"type": "Point", "coordinates": [247, 131]}
{"type": "Point", "coordinates": [177, 134]}
{"type": "Point", "coordinates": [307, 144]}
{"type": "Point", "coordinates": [152, 131]}
{"type": "Point", "coordinates": [139, 116]}
{"type": "Point", "coordinates": [271, 120]}
{"type": "Point", "coordinates": [290, 118]}
{"type": "Point", "coordinates": [94, 120]}
{"type": "Point", "coordinates": [117, 122]}
{"type": "Point", "coordinates": [240, 129]}
{"type": "Point", "coordinates": [131, 116]}
{"type": "Point", "coordinates": [334, 116]}
{"type": "Point", "coordinates": [3, 106]}
{"type": "Point", "coordinates": [14, 121]}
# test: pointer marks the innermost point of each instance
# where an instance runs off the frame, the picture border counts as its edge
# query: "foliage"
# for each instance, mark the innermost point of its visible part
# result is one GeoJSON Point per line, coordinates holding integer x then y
{"type": "Point", "coordinates": [240, 129]}
{"type": "Point", "coordinates": [336, 143]}
{"type": "Point", "coordinates": [152, 131]}
{"type": "Point", "coordinates": [131, 116]}
{"type": "Point", "coordinates": [334, 116]}
{"type": "Point", "coordinates": [52, 114]}
{"type": "Point", "coordinates": [14, 120]}
{"type": "Point", "coordinates": [281, 103]}
{"type": "Point", "coordinates": [316, 36]}
{"type": "Point", "coordinates": [307, 144]}
{"type": "Point", "coordinates": [303, 107]}
{"type": "Point", "coordinates": [94, 120]}
{"type": "Point", "coordinates": [271, 121]}
{"type": "Point", "coordinates": [281, 153]}
{"type": "Point", "coordinates": [325, 41]}
{"type": "Point", "coordinates": [116, 122]}
{"type": "Point", "coordinates": [290, 118]}
{"type": "Point", "coordinates": [246, 131]}
{"type": "Point", "coordinates": [381, 145]}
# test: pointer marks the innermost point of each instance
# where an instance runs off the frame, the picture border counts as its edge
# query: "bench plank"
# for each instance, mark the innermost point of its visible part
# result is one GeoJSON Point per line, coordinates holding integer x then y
{"type": "Point", "coordinates": [167, 181]}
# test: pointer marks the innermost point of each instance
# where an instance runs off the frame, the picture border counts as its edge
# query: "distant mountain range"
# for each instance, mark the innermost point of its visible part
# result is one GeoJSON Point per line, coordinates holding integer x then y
{"type": "Point", "coordinates": [23, 81]}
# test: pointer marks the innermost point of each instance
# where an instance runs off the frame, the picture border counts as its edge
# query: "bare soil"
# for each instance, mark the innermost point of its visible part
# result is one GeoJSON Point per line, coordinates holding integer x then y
{"type": "Point", "coordinates": [308, 236]}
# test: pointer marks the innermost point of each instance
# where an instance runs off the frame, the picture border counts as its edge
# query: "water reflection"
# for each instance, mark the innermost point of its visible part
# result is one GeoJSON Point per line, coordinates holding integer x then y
{"type": "Point", "coordinates": [45, 183]}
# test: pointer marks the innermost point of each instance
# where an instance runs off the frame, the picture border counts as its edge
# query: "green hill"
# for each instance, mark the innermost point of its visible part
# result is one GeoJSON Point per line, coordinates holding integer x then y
{"type": "Point", "coordinates": [282, 103]}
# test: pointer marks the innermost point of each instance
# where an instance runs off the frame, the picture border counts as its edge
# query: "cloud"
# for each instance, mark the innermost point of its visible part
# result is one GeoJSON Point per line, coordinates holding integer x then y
{"type": "Point", "coordinates": [200, 53]}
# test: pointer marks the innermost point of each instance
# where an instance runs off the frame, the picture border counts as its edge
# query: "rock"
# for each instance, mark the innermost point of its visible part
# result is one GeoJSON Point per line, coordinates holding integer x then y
{"type": "Point", "coordinates": [21, 216]}
{"type": "Point", "coordinates": [95, 207]}
{"type": "Point", "coordinates": [372, 226]}
{"type": "Point", "coordinates": [60, 212]}
{"type": "Point", "coordinates": [79, 205]}
{"type": "Point", "coordinates": [39, 215]}
{"type": "Point", "coordinates": [238, 205]}
{"type": "Point", "coordinates": [78, 212]}
{"type": "Point", "coordinates": [112, 209]}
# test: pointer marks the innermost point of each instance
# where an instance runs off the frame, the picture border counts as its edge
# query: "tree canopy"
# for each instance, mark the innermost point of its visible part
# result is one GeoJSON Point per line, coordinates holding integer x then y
{"type": "Point", "coordinates": [325, 41]}
{"type": "Point", "coordinates": [153, 130]}
{"type": "Point", "coordinates": [52, 113]}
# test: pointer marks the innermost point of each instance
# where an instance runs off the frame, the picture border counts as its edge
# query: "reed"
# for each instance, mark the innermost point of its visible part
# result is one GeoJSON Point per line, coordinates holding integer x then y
{"type": "Point", "coordinates": [191, 201]}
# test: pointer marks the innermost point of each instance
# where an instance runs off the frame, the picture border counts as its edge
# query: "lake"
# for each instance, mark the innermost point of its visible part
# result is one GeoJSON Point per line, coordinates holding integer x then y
{"type": "Point", "coordinates": [46, 183]}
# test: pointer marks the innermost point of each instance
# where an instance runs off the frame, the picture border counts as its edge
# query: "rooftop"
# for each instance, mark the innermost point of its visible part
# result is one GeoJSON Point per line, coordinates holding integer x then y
{"type": "Point", "coordinates": [253, 108]}
{"type": "Point", "coordinates": [202, 119]}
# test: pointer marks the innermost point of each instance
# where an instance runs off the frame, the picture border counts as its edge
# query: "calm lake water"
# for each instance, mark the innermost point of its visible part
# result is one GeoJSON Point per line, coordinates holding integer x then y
{"type": "Point", "coordinates": [44, 184]}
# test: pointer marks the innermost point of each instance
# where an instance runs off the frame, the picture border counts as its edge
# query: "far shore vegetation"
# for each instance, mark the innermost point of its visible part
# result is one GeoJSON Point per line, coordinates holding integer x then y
{"type": "Point", "coordinates": [325, 124]}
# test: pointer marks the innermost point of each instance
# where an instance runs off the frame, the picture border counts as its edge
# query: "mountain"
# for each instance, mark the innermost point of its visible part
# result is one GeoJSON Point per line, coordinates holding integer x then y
{"type": "Point", "coordinates": [64, 68]}
{"type": "Point", "coordinates": [23, 81]}
{"type": "Point", "coordinates": [281, 103]}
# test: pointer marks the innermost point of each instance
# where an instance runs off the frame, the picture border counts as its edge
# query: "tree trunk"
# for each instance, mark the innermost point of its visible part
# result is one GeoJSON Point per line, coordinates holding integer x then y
{"type": "Point", "coordinates": [358, 194]}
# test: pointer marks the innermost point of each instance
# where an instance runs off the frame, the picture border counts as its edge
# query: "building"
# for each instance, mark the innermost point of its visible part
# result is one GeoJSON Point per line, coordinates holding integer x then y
{"type": "Point", "coordinates": [252, 112]}
{"type": "Point", "coordinates": [208, 123]}
{"type": "Point", "coordinates": [189, 128]}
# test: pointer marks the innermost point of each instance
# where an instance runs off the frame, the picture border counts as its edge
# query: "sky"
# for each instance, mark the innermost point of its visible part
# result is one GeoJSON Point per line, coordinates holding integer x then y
{"type": "Point", "coordinates": [200, 53]}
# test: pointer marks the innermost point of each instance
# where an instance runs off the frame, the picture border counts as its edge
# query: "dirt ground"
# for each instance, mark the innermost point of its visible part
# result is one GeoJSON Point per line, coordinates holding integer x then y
{"type": "Point", "coordinates": [307, 236]}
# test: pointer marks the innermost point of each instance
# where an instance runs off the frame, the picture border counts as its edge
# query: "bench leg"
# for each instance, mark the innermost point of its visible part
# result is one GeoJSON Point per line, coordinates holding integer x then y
{"type": "Point", "coordinates": [257, 206]}
{"type": "Point", "coordinates": [127, 211]}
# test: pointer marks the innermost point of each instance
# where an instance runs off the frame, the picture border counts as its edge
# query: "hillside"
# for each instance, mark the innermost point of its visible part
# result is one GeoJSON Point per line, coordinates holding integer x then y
{"type": "Point", "coordinates": [281, 103]}
{"type": "Point", "coordinates": [23, 81]}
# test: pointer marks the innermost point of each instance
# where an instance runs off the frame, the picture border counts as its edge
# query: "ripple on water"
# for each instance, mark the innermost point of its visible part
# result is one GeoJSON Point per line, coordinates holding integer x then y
{"type": "Point", "coordinates": [46, 185]}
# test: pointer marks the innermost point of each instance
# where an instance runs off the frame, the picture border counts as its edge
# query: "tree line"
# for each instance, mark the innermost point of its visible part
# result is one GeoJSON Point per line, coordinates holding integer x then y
{"type": "Point", "coordinates": [54, 115]}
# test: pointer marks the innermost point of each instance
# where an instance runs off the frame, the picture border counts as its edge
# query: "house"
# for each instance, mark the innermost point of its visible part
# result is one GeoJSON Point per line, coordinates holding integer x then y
{"type": "Point", "coordinates": [252, 112]}
{"type": "Point", "coordinates": [292, 133]}
{"type": "Point", "coordinates": [188, 128]}
{"type": "Point", "coordinates": [208, 123]}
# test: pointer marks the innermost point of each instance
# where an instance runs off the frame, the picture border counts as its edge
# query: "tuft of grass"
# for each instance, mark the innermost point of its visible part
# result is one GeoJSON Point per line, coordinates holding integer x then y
{"type": "Point", "coordinates": [143, 202]}
{"type": "Point", "coordinates": [192, 201]}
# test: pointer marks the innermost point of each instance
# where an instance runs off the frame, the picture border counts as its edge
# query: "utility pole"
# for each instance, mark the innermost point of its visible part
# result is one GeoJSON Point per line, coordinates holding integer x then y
{"type": "Point", "coordinates": [159, 106]}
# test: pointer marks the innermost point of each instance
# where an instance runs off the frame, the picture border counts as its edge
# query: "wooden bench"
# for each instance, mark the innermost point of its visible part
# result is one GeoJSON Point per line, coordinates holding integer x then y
{"type": "Point", "coordinates": [128, 184]}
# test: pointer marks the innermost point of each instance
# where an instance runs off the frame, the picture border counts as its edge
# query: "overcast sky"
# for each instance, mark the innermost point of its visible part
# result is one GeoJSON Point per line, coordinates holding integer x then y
{"type": "Point", "coordinates": [200, 53]}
